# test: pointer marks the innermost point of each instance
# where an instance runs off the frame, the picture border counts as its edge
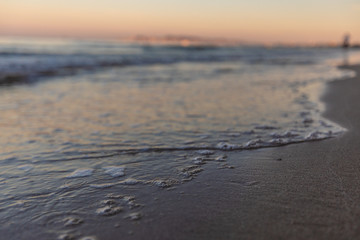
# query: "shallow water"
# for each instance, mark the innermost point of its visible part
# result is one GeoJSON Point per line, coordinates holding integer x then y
{"type": "Point", "coordinates": [83, 144]}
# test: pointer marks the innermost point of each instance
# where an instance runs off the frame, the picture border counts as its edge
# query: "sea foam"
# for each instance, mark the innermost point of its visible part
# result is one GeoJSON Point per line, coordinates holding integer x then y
{"type": "Point", "coordinates": [82, 172]}
{"type": "Point", "coordinates": [115, 171]}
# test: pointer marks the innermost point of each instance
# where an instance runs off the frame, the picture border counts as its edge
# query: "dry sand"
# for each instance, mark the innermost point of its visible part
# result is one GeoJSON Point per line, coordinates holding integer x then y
{"type": "Point", "coordinates": [300, 191]}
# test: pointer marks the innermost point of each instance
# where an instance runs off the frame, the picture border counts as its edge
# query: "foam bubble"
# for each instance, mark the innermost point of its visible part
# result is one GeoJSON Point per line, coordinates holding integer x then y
{"type": "Point", "coordinates": [314, 136]}
{"type": "Point", "coordinates": [135, 216]}
{"type": "Point", "coordinates": [198, 160]}
{"type": "Point", "coordinates": [114, 196]}
{"type": "Point", "coordinates": [254, 143]}
{"type": "Point", "coordinates": [191, 170]}
{"type": "Point", "coordinates": [129, 201]}
{"type": "Point", "coordinates": [164, 183]}
{"type": "Point", "coordinates": [130, 181]}
{"type": "Point", "coordinates": [108, 202]}
{"type": "Point", "coordinates": [227, 146]}
{"type": "Point", "coordinates": [225, 165]}
{"type": "Point", "coordinates": [128, 198]}
{"type": "Point", "coordinates": [278, 141]}
{"type": "Point", "coordinates": [286, 134]}
{"type": "Point", "coordinates": [115, 171]}
{"type": "Point", "coordinates": [108, 210]}
{"type": "Point", "coordinates": [82, 172]}
{"type": "Point", "coordinates": [221, 158]}
{"type": "Point", "coordinates": [205, 152]}
{"type": "Point", "coordinates": [72, 221]}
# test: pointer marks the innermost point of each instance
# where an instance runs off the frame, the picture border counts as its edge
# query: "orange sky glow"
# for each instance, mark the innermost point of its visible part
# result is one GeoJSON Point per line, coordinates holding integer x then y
{"type": "Point", "coordinates": [261, 21]}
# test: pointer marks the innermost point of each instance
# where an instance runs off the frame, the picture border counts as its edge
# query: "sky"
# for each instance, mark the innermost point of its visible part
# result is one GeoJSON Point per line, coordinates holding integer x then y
{"type": "Point", "coordinates": [265, 21]}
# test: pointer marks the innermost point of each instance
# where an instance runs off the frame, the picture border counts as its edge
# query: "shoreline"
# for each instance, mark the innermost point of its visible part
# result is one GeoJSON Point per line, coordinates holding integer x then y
{"type": "Point", "coordinates": [296, 191]}
{"type": "Point", "coordinates": [299, 191]}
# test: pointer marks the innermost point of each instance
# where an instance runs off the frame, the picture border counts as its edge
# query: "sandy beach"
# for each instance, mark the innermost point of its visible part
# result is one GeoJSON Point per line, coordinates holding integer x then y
{"type": "Point", "coordinates": [300, 191]}
{"type": "Point", "coordinates": [178, 143]}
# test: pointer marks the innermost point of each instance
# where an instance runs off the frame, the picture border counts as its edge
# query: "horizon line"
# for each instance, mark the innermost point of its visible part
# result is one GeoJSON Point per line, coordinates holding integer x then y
{"type": "Point", "coordinates": [184, 40]}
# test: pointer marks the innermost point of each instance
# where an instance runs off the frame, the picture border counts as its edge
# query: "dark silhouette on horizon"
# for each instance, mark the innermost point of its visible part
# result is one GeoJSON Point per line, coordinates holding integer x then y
{"type": "Point", "coordinates": [346, 41]}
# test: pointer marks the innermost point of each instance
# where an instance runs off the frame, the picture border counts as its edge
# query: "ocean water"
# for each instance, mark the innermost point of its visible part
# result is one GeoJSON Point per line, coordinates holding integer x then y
{"type": "Point", "coordinates": [86, 126]}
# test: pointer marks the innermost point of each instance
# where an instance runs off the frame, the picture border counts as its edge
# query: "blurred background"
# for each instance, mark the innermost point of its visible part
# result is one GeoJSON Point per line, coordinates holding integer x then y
{"type": "Point", "coordinates": [260, 21]}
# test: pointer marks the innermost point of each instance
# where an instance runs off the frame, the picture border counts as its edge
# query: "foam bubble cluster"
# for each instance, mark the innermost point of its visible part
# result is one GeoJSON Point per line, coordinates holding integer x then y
{"type": "Point", "coordinates": [82, 172]}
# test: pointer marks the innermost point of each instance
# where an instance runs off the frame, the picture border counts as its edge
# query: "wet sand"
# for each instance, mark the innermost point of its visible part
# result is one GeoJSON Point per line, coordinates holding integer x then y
{"type": "Point", "coordinates": [300, 191]}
